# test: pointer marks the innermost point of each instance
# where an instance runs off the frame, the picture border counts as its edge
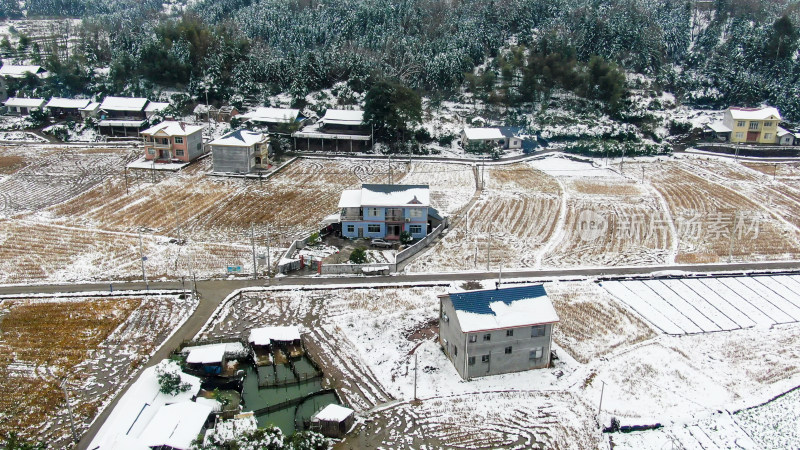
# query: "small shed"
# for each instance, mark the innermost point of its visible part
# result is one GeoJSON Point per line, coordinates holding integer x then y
{"type": "Point", "coordinates": [267, 339]}
{"type": "Point", "coordinates": [23, 106]}
{"type": "Point", "coordinates": [208, 359]}
{"type": "Point", "coordinates": [333, 421]}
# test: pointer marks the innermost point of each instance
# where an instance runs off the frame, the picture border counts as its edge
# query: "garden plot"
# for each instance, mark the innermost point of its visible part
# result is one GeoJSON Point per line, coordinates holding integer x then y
{"type": "Point", "coordinates": [516, 214]}
{"type": "Point", "coordinates": [677, 380]}
{"type": "Point", "coordinates": [701, 305]}
{"type": "Point", "coordinates": [610, 221]}
{"type": "Point", "coordinates": [517, 420]}
{"type": "Point", "coordinates": [774, 424]}
{"type": "Point", "coordinates": [46, 177]}
{"type": "Point", "coordinates": [716, 223]}
{"type": "Point", "coordinates": [592, 323]}
{"type": "Point", "coordinates": [96, 345]}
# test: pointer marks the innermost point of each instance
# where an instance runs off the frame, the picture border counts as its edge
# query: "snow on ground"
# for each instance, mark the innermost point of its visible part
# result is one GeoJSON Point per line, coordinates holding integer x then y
{"type": "Point", "coordinates": [20, 136]}
{"type": "Point", "coordinates": [566, 166]}
{"type": "Point", "coordinates": [704, 305]}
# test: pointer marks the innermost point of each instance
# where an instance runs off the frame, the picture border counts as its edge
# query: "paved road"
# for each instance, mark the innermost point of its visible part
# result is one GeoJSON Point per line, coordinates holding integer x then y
{"type": "Point", "coordinates": [212, 292]}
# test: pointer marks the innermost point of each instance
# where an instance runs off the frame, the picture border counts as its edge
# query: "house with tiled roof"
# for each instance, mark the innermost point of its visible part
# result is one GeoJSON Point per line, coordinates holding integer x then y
{"type": "Point", "coordinates": [171, 141]}
{"type": "Point", "coordinates": [496, 331]}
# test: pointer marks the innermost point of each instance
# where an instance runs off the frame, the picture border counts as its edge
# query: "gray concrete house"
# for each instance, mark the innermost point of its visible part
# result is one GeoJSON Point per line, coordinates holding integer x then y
{"type": "Point", "coordinates": [496, 331]}
{"type": "Point", "coordinates": [240, 151]}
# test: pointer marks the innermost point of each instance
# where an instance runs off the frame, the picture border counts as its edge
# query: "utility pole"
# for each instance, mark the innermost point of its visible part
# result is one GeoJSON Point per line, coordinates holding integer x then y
{"type": "Point", "coordinates": [600, 406]}
{"type": "Point", "coordinates": [69, 409]}
{"type": "Point", "coordinates": [500, 277]}
{"type": "Point", "coordinates": [622, 161]}
{"type": "Point", "coordinates": [269, 264]}
{"type": "Point", "coordinates": [126, 181]}
{"type": "Point", "coordinates": [775, 172]}
{"type": "Point", "coordinates": [143, 258]}
{"type": "Point", "coordinates": [391, 173]}
{"type": "Point", "coordinates": [736, 156]}
{"type": "Point", "coordinates": [642, 174]}
{"type": "Point", "coordinates": [153, 169]}
{"type": "Point", "coordinates": [483, 171]}
{"type": "Point", "coordinates": [253, 245]}
{"type": "Point", "coordinates": [415, 375]}
{"type": "Point", "coordinates": [488, 245]}
{"type": "Point", "coordinates": [178, 225]}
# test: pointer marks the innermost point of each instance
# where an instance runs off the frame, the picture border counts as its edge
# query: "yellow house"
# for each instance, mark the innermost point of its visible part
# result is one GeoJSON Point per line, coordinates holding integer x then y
{"type": "Point", "coordinates": [752, 125]}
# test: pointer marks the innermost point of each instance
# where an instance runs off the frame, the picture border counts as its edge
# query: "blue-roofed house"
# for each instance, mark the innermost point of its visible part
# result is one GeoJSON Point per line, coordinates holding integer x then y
{"type": "Point", "coordinates": [496, 331]}
{"type": "Point", "coordinates": [386, 210]}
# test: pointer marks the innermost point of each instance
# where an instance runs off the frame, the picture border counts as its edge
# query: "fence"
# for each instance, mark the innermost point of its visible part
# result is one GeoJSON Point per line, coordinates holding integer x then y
{"type": "Point", "coordinates": [287, 263]}
{"type": "Point", "coordinates": [375, 269]}
{"type": "Point", "coordinates": [422, 243]}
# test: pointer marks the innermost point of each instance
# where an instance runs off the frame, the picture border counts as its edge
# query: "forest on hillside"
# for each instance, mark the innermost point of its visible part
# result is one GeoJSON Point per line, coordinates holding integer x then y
{"type": "Point", "coordinates": [709, 53]}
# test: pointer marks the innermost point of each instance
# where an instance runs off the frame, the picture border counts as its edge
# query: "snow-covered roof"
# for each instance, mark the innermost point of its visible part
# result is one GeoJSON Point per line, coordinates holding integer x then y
{"type": "Point", "coordinates": [123, 104]}
{"type": "Point", "coordinates": [718, 127]}
{"type": "Point", "coordinates": [782, 132]}
{"type": "Point", "coordinates": [232, 349]}
{"type": "Point", "coordinates": [91, 106]}
{"type": "Point", "coordinates": [754, 113]}
{"type": "Point", "coordinates": [121, 123]}
{"type": "Point", "coordinates": [333, 413]}
{"type": "Point", "coordinates": [176, 425]}
{"type": "Point", "coordinates": [156, 106]}
{"type": "Point", "coordinates": [343, 117]}
{"type": "Point", "coordinates": [272, 115]}
{"type": "Point", "coordinates": [228, 430]}
{"type": "Point", "coordinates": [503, 308]}
{"type": "Point", "coordinates": [386, 195]}
{"type": "Point", "coordinates": [482, 134]}
{"type": "Point", "coordinates": [264, 335]}
{"type": "Point", "coordinates": [173, 128]}
{"type": "Point", "coordinates": [24, 102]}
{"type": "Point", "coordinates": [206, 354]}
{"type": "Point", "coordinates": [240, 138]}
{"type": "Point", "coordinates": [19, 71]}
{"type": "Point", "coordinates": [72, 103]}
{"type": "Point", "coordinates": [125, 426]}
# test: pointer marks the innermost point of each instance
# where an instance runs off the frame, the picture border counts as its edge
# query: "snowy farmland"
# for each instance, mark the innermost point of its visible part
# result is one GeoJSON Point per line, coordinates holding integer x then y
{"type": "Point", "coordinates": [702, 305]}
{"type": "Point", "coordinates": [94, 344]}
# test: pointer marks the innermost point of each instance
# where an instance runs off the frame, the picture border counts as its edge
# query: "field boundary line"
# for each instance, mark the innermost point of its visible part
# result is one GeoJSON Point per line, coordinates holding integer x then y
{"type": "Point", "coordinates": [109, 294]}
{"type": "Point", "coordinates": [715, 306]}
{"type": "Point", "coordinates": [661, 282]}
{"type": "Point", "coordinates": [558, 235]}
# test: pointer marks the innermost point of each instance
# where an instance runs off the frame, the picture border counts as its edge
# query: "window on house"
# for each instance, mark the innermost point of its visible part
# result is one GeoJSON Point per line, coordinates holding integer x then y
{"type": "Point", "coordinates": [767, 135]}
{"type": "Point", "coordinates": [373, 212]}
{"type": "Point", "coordinates": [372, 228]}
{"type": "Point", "coordinates": [178, 140]}
{"type": "Point", "coordinates": [537, 331]}
{"type": "Point", "coordinates": [415, 212]}
{"type": "Point", "coordinates": [509, 332]}
{"type": "Point", "coordinates": [151, 151]}
{"type": "Point", "coordinates": [473, 338]}
{"type": "Point", "coordinates": [487, 337]}
{"type": "Point", "coordinates": [508, 350]}
{"type": "Point", "coordinates": [471, 360]}
{"type": "Point", "coordinates": [179, 152]}
{"type": "Point", "coordinates": [455, 350]}
{"type": "Point", "coordinates": [739, 135]}
{"type": "Point", "coordinates": [415, 229]}
{"type": "Point", "coordinates": [740, 123]}
{"type": "Point", "coordinates": [536, 353]}
{"type": "Point", "coordinates": [199, 145]}
{"type": "Point", "coordinates": [753, 125]}
{"type": "Point", "coordinates": [767, 124]}
{"type": "Point", "coordinates": [485, 358]}
{"type": "Point", "coordinates": [444, 317]}
{"type": "Point", "coordinates": [351, 228]}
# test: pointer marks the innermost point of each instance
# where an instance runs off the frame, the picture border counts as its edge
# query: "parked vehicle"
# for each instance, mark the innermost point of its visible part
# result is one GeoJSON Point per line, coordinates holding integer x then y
{"type": "Point", "coordinates": [378, 242]}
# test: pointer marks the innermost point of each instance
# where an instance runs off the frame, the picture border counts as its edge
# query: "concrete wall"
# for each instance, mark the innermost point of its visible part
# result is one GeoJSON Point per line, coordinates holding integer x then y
{"type": "Point", "coordinates": [459, 349]}
{"type": "Point", "coordinates": [194, 144]}
{"type": "Point", "coordinates": [412, 250]}
{"type": "Point", "coordinates": [232, 159]}
{"type": "Point", "coordinates": [355, 269]}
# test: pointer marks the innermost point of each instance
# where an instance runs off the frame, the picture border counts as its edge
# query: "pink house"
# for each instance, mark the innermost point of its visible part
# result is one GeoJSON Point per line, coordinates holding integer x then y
{"type": "Point", "coordinates": [170, 140]}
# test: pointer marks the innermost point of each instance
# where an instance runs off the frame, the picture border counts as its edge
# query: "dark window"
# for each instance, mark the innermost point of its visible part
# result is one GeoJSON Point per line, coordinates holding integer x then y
{"type": "Point", "coordinates": [473, 338]}
{"type": "Point", "coordinates": [487, 337]}
{"type": "Point", "coordinates": [485, 358]}
{"type": "Point", "coordinates": [537, 331]}
{"type": "Point", "coordinates": [179, 152]}
{"type": "Point", "coordinates": [508, 350]}
{"type": "Point", "coordinates": [536, 353]}
{"type": "Point", "coordinates": [455, 351]}
{"type": "Point", "coordinates": [509, 332]}
{"type": "Point", "coordinates": [471, 360]}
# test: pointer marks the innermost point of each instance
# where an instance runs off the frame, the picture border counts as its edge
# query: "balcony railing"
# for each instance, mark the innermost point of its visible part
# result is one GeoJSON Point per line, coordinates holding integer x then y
{"type": "Point", "coordinates": [158, 145]}
{"type": "Point", "coordinates": [352, 217]}
{"type": "Point", "coordinates": [395, 218]}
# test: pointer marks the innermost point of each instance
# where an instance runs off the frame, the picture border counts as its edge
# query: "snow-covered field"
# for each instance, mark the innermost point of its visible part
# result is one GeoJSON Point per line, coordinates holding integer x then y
{"type": "Point", "coordinates": [95, 344]}
{"type": "Point", "coordinates": [687, 306]}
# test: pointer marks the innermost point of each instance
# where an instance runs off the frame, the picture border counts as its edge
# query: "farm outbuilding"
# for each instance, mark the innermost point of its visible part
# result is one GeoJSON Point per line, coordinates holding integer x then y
{"type": "Point", "coordinates": [23, 106]}
{"type": "Point", "coordinates": [333, 421]}
{"type": "Point", "coordinates": [207, 359]}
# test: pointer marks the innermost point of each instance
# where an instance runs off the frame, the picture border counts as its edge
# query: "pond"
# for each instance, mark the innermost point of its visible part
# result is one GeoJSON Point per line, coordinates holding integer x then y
{"type": "Point", "coordinates": [289, 403]}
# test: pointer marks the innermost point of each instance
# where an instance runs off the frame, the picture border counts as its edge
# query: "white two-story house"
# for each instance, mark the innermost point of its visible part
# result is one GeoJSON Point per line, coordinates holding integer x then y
{"type": "Point", "coordinates": [385, 211]}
